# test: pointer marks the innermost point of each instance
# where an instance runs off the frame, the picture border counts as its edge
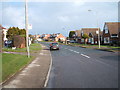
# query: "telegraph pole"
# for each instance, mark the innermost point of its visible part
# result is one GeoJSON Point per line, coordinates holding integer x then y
{"type": "Point", "coordinates": [26, 27]}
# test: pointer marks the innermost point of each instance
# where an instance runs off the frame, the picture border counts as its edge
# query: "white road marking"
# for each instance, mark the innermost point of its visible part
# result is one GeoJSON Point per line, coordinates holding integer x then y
{"type": "Point", "coordinates": [85, 55]}
{"type": "Point", "coordinates": [70, 49]}
{"type": "Point", "coordinates": [75, 51]}
{"type": "Point", "coordinates": [42, 54]}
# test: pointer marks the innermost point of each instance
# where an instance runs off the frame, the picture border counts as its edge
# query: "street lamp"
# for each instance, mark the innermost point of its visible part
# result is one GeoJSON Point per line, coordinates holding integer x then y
{"type": "Point", "coordinates": [97, 32]}
{"type": "Point", "coordinates": [26, 27]}
{"type": "Point", "coordinates": [66, 37]}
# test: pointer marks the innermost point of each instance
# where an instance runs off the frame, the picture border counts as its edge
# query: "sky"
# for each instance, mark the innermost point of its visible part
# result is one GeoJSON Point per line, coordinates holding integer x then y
{"type": "Point", "coordinates": [58, 17]}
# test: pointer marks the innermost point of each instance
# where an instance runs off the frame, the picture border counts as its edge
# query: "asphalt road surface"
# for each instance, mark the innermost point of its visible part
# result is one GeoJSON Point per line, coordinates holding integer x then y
{"type": "Point", "coordinates": [75, 67]}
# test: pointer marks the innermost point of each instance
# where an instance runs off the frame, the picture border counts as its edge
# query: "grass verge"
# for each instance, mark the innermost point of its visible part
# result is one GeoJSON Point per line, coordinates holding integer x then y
{"type": "Point", "coordinates": [33, 47]}
{"type": "Point", "coordinates": [93, 46]}
{"type": "Point", "coordinates": [11, 63]}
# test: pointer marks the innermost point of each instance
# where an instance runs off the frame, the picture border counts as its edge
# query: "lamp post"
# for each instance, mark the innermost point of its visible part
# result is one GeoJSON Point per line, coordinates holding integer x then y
{"type": "Point", "coordinates": [66, 38]}
{"type": "Point", "coordinates": [97, 32]}
{"type": "Point", "coordinates": [26, 27]}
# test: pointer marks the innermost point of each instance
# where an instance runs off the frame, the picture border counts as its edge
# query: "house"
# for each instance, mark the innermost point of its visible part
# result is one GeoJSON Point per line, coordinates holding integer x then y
{"type": "Point", "coordinates": [60, 37]}
{"type": "Point", "coordinates": [78, 35]}
{"type": "Point", "coordinates": [4, 31]}
{"type": "Point", "coordinates": [91, 32]}
{"type": "Point", "coordinates": [53, 37]}
{"type": "Point", "coordinates": [1, 39]}
{"type": "Point", "coordinates": [57, 37]}
{"type": "Point", "coordinates": [46, 37]}
{"type": "Point", "coordinates": [111, 33]}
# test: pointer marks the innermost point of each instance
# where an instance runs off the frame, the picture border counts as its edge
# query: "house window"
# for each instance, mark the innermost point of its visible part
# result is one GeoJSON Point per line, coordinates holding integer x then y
{"type": "Point", "coordinates": [114, 35]}
{"type": "Point", "coordinates": [106, 40]}
{"type": "Point", "coordinates": [82, 40]}
{"type": "Point", "coordinates": [92, 40]}
{"type": "Point", "coordinates": [106, 29]}
{"type": "Point", "coordinates": [82, 33]}
{"type": "Point", "coordinates": [89, 40]}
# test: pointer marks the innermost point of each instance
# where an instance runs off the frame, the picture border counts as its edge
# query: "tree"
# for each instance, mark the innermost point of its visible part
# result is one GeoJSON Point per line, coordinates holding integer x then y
{"type": "Point", "coordinates": [12, 31]}
{"type": "Point", "coordinates": [22, 32]}
{"type": "Point", "coordinates": [71, 34]}
{"type": "Point", "coordinates": [85, 36]}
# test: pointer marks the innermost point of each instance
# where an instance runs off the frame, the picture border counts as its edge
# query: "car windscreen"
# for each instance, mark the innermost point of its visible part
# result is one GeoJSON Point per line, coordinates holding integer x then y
{"type": "Point", "coordinates": [54, 44]}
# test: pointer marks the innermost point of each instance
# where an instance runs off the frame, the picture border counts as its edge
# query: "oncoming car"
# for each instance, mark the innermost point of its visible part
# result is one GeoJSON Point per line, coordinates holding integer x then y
{"type": "Point", "coordinates": [54, 46]}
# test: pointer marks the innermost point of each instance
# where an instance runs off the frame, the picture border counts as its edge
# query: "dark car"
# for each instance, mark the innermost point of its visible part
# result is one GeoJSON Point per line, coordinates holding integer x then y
{"type": "Point", "coordinates": [72, 41]}
{"type": "Point", "coordinates": [9, 43]}
{"type": "Point", "coordinates": [54, 46]}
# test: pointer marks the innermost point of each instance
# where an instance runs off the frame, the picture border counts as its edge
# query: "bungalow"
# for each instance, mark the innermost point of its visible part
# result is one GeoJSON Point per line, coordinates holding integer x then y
{"type": "Point", "coordinates": [111, 34]}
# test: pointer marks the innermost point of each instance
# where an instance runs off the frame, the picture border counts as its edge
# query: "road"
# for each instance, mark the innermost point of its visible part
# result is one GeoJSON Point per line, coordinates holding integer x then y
{"type": "Point", "coordinates": [75, 67]}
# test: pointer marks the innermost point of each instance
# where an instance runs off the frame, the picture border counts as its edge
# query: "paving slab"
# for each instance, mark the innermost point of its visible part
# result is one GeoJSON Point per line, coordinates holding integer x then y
{"type": "Point", "coordinates": [35, 74]}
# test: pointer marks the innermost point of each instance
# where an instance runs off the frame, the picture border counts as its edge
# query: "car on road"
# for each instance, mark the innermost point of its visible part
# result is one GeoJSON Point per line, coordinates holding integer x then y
{"type": "Point", "coordinates": [54, 46]}
{"type": "Point", "coordinates": [72, 41]}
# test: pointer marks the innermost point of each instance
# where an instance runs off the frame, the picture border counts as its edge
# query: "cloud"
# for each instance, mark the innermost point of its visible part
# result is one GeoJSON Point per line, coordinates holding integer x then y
{"type": "Point", "coordinates": [12, 16]}
{"type": "Point", "coordinates": [61, 0]}
{"type": "Point", "coordinates": [53, 17]}
{"type": "Point", "coordinates": [64, 18]}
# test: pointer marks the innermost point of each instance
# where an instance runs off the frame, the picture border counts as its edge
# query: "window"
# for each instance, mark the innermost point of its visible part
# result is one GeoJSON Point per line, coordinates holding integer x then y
{"type": "Point", "coordinates": [82, 40]}
{"type": "Point", "coordinates": [106, 40]}
{"type": "Point", "coordinates": [106, 29]}
{"type": "Point", "coordinates": [114, 35]}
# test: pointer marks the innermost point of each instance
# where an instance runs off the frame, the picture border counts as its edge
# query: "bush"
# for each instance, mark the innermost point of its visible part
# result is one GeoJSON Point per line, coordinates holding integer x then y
{"type": "Point", "coordinates": [18, 41]}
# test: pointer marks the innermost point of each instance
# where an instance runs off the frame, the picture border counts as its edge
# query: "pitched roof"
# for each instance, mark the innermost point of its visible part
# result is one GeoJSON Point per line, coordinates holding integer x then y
{"type": "Point", "coordinates": [90, 30]}
{"type": "Point", "coordinates": [1, 27]}
{"type": "Point", "coordinates": [113, 27]}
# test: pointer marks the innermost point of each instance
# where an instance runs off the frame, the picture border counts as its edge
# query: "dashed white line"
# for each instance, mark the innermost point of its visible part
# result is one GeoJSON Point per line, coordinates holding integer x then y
{"type": "Point", "coordinates": [85, 55]}
{"type": "Point", "coordinates": [75, 51]}
{"type": "Point", "coordinates": [79, 52]}
{"type": "Point", "coordinates": [70, 49]}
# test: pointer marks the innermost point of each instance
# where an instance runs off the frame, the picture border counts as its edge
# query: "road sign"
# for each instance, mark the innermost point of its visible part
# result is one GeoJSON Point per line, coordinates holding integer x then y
{"type": "Point", "coordinates": [29, 26]}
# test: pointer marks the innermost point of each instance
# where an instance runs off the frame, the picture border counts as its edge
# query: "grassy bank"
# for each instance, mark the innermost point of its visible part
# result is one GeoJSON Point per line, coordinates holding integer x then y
{"type": "Point", "coordinates": [11, 63]}
{"type": "Point", "coordinates": [33, 47]}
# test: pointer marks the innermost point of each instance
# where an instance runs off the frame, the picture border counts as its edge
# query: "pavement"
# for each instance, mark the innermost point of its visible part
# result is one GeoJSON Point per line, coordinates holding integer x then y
{"type": "Point", "coordinates": [76, 67]}
{"type": "Point", "coordinates": [35, 75]}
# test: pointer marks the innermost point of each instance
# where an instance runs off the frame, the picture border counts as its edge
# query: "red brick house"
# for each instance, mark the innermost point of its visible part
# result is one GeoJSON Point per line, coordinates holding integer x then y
{"type": "Point", "coordinates": [111, 33]}
{"type": "Point", "coordinates": [91, 32]}
{"type": "Point", "coordinates": [60, 37]}
{"type": "Point", "coordinates": [53, 37]}
{"type": "Point", "coordinates": [78, 36]}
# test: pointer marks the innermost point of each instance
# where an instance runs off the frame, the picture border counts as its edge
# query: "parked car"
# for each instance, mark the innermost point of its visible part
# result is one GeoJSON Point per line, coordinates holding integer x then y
{"type": "Point", "coordinates": [54, 46]}
{"type": "Point", "coordinates": [72, 41]}
{"type": "Point", "coordinates": [9, 43]}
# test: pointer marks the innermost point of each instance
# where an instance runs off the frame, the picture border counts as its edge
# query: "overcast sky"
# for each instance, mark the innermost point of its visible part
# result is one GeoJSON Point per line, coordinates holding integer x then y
{"type": "Point", "coordinates": [58, 17]}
